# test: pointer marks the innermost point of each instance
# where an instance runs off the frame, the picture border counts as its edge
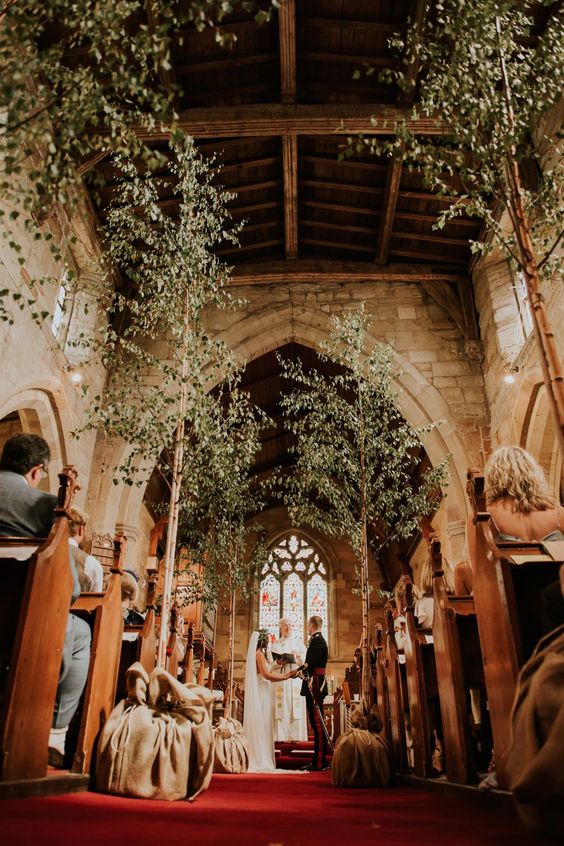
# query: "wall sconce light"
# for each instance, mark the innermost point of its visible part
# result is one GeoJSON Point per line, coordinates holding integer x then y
{"type": "Point", "coordinates": [509, 377]}
{"type": "Point", "coordinates": [74, 375]}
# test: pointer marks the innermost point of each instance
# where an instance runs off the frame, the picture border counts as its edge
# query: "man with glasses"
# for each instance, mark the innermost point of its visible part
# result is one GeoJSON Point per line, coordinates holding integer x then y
{"type": "Point", "coordinates": [26, 511]}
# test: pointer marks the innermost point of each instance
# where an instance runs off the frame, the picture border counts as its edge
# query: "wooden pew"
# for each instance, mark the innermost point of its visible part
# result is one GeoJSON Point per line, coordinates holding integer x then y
{"type": "Point", "coordinates": [459, 666]}
{"type": "Point", "coordinates": [139, 642]}
{"type": "Point", "coordinates": [507, 599]}
{"type": "Point", "coordinates": [395, 697]}
{"type": "Point", "coordinates": [421, 685]}
{"type": "Point", "coordinates": [381, 684]}
{"type": "Point", "coordinates": [34, 607]}
{"type": "Point", "coordinates": [103, 613]}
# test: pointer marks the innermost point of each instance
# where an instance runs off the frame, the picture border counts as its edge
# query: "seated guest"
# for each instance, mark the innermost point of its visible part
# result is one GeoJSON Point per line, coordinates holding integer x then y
{"type": "Point", "coordinates": [523, 508]}
{"type": "Point", "coordinates": [28, 512]}
{"type": "Point", "coordinates": [519, 499]}
{"type": "Point", "coordinates": [129, 594]}
{"type": "Point", "coordinates": [463, 579]}
{"type": "Point", "coordinates": [89, 569]}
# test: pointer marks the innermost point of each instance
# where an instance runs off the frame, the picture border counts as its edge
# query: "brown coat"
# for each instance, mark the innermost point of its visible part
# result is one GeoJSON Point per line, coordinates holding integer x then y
{"type": "Point", "coordinates": [535, 760]}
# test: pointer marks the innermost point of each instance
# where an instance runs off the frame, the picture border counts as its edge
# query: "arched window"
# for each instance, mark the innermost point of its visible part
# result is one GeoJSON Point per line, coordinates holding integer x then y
{"type": "Point", "coordinates": [294, 585]}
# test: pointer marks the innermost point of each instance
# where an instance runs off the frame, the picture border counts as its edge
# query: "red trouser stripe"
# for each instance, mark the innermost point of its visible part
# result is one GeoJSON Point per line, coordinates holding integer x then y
{"type": "Point", "coordinates": [319, 760]}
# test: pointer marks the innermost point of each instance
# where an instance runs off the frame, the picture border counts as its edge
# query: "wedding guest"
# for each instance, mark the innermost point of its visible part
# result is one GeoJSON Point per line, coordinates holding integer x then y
{"type": "Point", "coordinates": [26, 511]}
{"type": "Point", "coordinates": [258, 718]}
{"type": "Point", "coordinates": [523, 508]}
{"type": "Point", "coordinates": [89, 569]}
{"type": "Point", "coordinates": [289, 707]}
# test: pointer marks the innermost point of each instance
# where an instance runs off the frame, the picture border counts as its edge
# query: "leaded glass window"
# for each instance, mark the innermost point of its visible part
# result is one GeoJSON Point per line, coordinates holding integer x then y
{"type": "Point", "coordinates": [294, 585]}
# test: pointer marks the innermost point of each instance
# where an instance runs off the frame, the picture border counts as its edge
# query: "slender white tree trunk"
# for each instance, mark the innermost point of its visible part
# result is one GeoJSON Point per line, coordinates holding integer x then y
{"type": "Point", "coordinates": [174, 503]}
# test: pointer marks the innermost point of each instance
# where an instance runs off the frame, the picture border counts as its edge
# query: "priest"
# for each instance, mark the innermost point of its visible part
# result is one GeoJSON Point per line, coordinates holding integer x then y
{"type": "Point", "coordinates": [289, 706]}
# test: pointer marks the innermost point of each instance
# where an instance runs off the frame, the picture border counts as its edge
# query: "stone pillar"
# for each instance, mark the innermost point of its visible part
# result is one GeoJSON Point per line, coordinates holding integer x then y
{"type": "Point", "coordinates": [458, 547]}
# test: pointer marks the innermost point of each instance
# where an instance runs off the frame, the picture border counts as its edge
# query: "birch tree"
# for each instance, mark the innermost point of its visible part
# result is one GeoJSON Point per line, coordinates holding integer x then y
{"type": "Point", "coordinates": [355, 455]}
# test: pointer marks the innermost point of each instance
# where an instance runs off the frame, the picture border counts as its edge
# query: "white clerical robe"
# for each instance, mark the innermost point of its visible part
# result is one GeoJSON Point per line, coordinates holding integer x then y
{"type": "Point", "coordinates": [289, 706]}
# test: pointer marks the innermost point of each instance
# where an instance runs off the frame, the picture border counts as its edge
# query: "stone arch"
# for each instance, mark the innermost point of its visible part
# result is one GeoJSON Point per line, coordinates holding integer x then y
{"type": "Point", "coordinates": [259, 330]}
{"type": "Point", "coordinates": [420, 402]}
{"type": "Point", "coordinates": [44, 411]}
{"type": "Point", "coordinates": [535, 426]}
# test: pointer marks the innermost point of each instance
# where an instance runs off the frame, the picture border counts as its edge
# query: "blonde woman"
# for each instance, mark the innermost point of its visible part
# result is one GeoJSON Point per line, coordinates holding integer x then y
{"type": "Point", "coordinates": [523, 508]}
{"type": "Point", "coordinates": [519, 499]}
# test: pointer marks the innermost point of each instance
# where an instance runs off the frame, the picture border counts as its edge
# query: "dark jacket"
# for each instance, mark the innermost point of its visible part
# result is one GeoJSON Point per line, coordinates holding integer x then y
{"type": "Point", "coordinates": [316, 656]}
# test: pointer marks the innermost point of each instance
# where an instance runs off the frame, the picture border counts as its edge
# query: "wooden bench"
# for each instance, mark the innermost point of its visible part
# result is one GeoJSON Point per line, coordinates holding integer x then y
{"type": "Point", "coordinates": [458, 661]}
{"type": "Point", "coordinates": [395, 697]}
{"type": "Point", "coordinates": [422, 687]}
{"type": "Point", "coordinates": [103, 613]}
{"type": "Point", "coordinates": [34, 609]}
{"type": "Point", "coordinates": [508, 579]}
{"type": "Point", "coordinates": [139, 642]}
{"type": "Point", "coordinates": [382, 684]}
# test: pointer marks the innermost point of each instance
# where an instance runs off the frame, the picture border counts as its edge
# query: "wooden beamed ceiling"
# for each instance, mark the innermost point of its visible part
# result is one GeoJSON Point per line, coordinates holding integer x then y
{"type": "Point", "coordinates": [276, 110]}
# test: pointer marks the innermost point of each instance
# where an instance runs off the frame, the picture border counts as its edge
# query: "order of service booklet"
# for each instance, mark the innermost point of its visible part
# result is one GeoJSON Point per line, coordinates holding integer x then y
{"type": "Point", "coordinates": [287, 657]}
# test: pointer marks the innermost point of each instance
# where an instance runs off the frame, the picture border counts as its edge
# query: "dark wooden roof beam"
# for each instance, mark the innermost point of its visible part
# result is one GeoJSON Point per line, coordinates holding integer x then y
{"type": "Point", "coordinates": [320, 271]}
{"type": "Point", "coordinates": [416, 17]}
{"type": "Point", "coordinates": [389, 209]}
{"type": "Point", "coordinates": [290, 170]}
{"type": "Point", "coordinates": [333, 185]}
{"type": "Point", "coordinates": [424, 256]}
{"type": "Point", "coordinates": [337, 245]}
{"type": "Point", "coordinates": [338, 227]}
{"type": "Point", "coordinates": [434, 239]}
{"type": "Point", "coordinates": [351, 59]}
{"type": "Point", "coordinates": [260, 120]}
{"type": "Point", "coordinates": [350, 23]}
{"type": "Point", "coordinates": [244, 248]}
{"type": "Point", "coordinates": [345, 163]}
{"type": "Point", "coordinates": [287, 40]}
{"type": "Point", "coordinates": [225, 64]}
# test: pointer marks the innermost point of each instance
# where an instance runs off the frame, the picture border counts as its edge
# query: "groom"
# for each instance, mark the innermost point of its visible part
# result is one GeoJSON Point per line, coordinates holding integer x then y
{"type": "Point", "coordinates": [316, 661]}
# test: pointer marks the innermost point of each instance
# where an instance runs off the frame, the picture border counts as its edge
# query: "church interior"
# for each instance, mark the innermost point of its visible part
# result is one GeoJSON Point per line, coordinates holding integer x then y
{"type": "Point", "coordinates": [270, 95]}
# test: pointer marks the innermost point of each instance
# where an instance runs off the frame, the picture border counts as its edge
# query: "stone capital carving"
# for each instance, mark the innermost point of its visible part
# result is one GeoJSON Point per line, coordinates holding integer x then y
{"type": "Point", "coordinates": [474, 350]}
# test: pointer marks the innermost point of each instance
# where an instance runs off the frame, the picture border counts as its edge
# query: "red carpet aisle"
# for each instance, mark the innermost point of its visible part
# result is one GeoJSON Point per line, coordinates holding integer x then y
{"type": "Point", "coordinates": [259, 810]}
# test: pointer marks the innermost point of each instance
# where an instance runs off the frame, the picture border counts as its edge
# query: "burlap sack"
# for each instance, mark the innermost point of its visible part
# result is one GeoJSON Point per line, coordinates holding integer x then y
{"type": "Point", "coordinates": [361, 759]}
{"type": "Point", "coordinates": [231, 747]}
{"type": "Point", "coordinates": [157, 743]}
{"type": "Point", "coordinates": [535, 760]}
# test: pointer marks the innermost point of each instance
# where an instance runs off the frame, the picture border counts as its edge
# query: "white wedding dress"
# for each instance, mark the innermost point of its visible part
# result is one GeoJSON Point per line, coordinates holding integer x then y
{"type": "Point", "coordinates": [258, 719]}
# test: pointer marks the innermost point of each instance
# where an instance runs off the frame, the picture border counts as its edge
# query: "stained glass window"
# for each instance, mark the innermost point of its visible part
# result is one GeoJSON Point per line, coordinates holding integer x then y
{"type": "Point", "coordinates": [294, 585]}
{"type": "Point", "coordinates": [269, 613]}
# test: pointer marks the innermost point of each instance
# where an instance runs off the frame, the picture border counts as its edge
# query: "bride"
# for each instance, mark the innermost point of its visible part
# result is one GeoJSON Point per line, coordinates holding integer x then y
{"type": "Point", "coordinates": [258, 719]}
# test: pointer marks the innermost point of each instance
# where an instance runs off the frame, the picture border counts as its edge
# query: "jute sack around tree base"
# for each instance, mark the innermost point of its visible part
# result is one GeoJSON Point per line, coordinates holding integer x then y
{"type": "Point", "coordinates": [157, 743]}
{"type": "Point", "coordinates": [231, 747]}
{"type": "Point", "coordinates": [362, 758]}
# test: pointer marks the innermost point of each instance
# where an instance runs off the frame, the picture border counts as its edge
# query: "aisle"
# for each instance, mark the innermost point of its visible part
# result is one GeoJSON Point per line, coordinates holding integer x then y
{"type": "Point", "coordinates": [289, 809]}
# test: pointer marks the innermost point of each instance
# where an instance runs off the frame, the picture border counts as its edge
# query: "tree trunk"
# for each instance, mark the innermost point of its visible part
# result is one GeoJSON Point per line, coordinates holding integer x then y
{"type": "Point", "coordinates": [231, 657]}
{"type": "Point", "coordinates": [366, 679]}
{"type": "Point", "coordinates": [367, 687]}
{"type": "Point", "coordinates": [551, 364]}
{"type": "Point", "coordinates": [175, 489]}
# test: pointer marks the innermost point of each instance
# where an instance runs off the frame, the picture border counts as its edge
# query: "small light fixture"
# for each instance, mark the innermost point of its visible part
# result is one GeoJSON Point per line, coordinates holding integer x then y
{"type": "Point", "coordinates": [74, 375]}
{"type": "Point", "coordinates": [509, 376]}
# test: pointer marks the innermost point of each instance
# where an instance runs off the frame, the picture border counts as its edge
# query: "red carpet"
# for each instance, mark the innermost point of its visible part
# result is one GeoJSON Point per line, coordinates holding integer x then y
{"type": "Point", "coordinates": [259, 810]}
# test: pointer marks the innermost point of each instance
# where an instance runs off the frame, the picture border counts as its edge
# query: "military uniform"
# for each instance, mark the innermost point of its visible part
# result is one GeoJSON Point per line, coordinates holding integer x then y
{"type": "Point", "coordinates": [316, 660]}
